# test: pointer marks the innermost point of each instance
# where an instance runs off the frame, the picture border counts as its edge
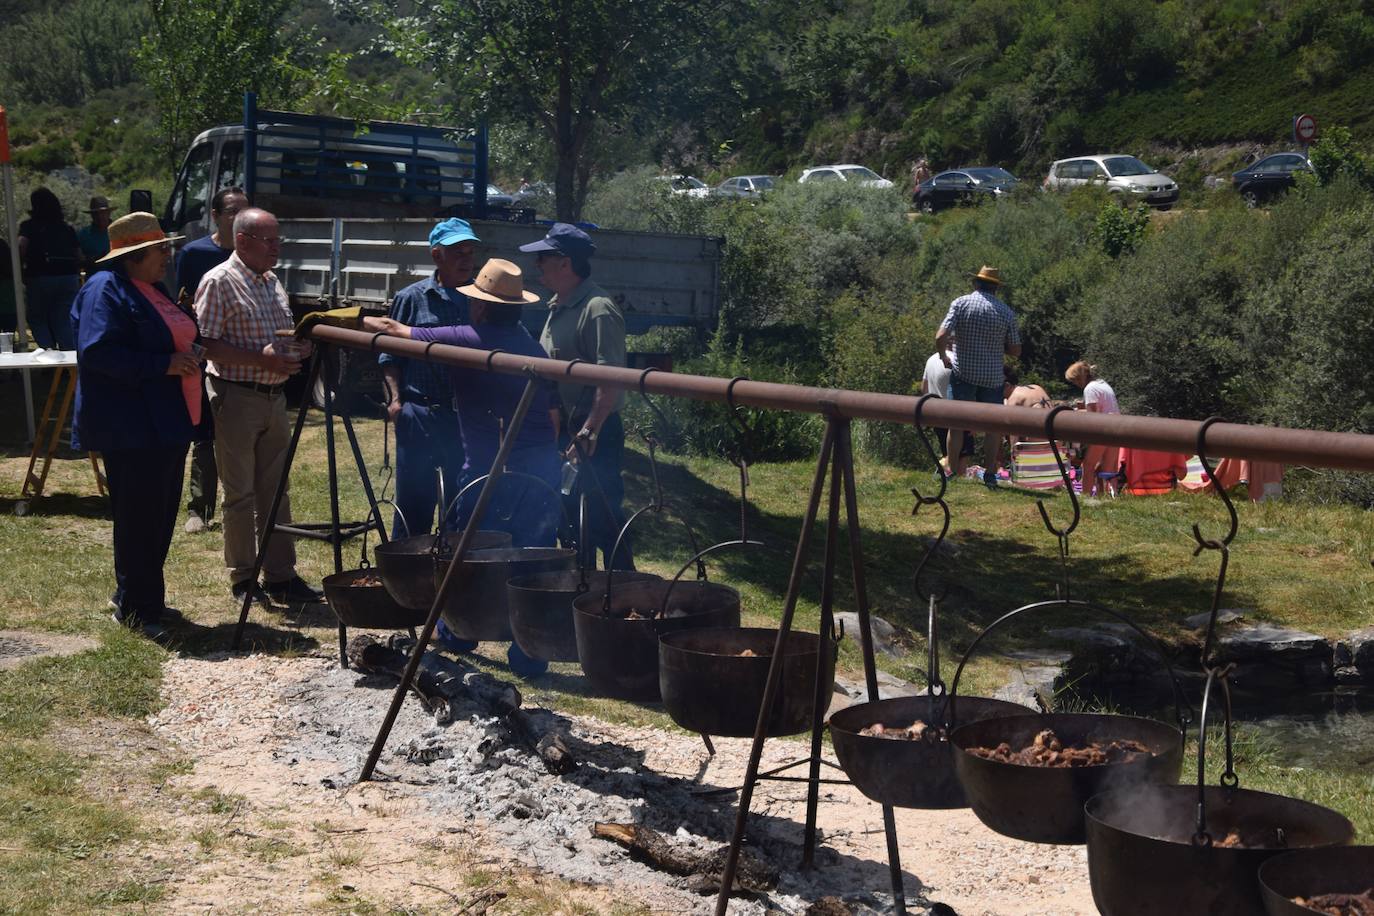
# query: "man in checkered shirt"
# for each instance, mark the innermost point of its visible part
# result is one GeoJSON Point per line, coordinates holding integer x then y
{"type": "Point", "coordinates": [240, 306]}
{"type": "Point", "coordinates": [985, 328]}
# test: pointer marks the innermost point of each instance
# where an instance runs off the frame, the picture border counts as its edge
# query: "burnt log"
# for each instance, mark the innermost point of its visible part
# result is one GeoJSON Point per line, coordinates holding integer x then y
{"type": "Point", "coordinates": [440, 682]}
{"type": "Point", "coordinates": [703, 869]}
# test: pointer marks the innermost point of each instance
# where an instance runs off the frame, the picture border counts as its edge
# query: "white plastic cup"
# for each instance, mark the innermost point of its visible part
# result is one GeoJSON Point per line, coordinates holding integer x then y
{"type": "Point", "coordinates": [6, 341]}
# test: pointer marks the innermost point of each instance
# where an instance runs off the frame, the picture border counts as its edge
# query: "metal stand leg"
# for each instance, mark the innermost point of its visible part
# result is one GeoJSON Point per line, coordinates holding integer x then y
{"type": "Point", "coordinates": [335, 539]}
{"type": "Point", "coordinates": [276, 500]}
{"type": "Point", "coordinates": [851, 501]}
{"type": "Point", "coordinates": [770, 690]}
{"type": "Point", "coordinates": [836, 455]}
{"type": "Point", "coordinates": [498, 469]}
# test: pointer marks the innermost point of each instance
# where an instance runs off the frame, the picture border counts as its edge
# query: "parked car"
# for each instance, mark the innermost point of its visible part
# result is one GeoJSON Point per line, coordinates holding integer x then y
{"type": "Point", "coordinates": [495, 196]}
{"type": "Point", "coordinates": [855, 173]}
{"type": "Point", "coordinates": [1271, 175]}
{"type": "Point", "coordinates": [745, 186]}
{"type": "Point", "coordinates": [685, 185]}
{"type": "Point", "coordinates": [1118, 174]}
{"type": "Point", "coordinates": [963, 186]}
{"type": "Point", "coordinates": [533, 191]}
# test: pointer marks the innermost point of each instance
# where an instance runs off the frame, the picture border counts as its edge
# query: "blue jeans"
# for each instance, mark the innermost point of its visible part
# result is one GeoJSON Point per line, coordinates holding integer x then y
{"type": "Point", "coordinates": [528, 509]}
{"type": "Point", "coordinates": [426, 438]}
{"type": "Point", "coordinates": [960, 390]}
{"type": "Point", "coordinates": [50, 310]}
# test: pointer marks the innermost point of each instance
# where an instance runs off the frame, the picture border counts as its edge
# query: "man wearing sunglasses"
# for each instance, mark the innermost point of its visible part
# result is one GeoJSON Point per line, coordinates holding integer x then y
{"type": "Point", "coordinates": [241, 305]}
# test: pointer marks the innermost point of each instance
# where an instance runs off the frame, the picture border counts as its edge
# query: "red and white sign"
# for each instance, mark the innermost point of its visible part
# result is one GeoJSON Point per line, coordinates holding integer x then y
{"type": "Point", "coordinates": [1304, 128]}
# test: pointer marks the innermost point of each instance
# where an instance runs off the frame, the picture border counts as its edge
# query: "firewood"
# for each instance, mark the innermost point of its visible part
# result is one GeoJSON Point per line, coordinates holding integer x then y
{"type": "Point", "coordinates": [704, 869]}
{"type": "Point", "coordinates": [440, 682]}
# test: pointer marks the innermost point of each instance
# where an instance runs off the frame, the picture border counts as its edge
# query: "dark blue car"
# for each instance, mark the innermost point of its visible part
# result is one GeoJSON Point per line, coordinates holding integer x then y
{"type": "Point", "coordinates": [1261, 180]}
{"type": "Point", "coordinates": [963, 186]}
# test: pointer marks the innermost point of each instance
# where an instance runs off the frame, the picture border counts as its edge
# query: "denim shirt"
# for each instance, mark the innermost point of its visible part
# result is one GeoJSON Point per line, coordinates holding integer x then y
{"type": "Point", "coordinates": [425, 305]}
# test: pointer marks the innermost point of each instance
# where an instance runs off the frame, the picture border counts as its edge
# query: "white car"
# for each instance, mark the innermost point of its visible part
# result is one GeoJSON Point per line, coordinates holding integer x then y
{"type": "Point", "coordinates": [1125, 175]}
{"type": "Point", "coordinates": [746, 186]}
{"type": "Point", "coordinates": [685, 185]}
{"type": "Point", "coordinates": [856, 173]}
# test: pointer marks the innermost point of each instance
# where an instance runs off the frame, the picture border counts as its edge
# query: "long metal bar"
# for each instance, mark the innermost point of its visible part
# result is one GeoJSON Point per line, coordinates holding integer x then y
{"type": "Point", "coordinates": [856, 558]}
{"type": "Point", "coordinates": [460, 550]}
{"type": "Point", "coordinates": [770, 690]}
{"type": "Point", "coordinates": [335, 540]}
{"type": "Point", "coordinates": [1315, 448]}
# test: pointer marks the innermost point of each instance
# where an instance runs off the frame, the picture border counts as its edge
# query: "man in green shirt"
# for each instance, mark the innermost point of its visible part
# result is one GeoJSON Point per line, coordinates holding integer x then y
{"type": "Point", "coordinates": [95, 238]}
{"type": "Point", "coordinates": [586, 324]}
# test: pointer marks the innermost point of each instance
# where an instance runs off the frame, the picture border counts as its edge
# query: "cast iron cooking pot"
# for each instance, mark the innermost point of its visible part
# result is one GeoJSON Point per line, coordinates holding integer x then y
{"type": "Point", "coordinates": [369, 607]}
{"type": "Point", "coordinates": [1045, 804]}
{"type": "Point", "coordinates": [908, 774]}
{"type": "Point", "coordinates": [710, 688]}
{"type": "Point", "coordinates": [407, 564]}
{"type": "Point", "coordinates": [541, 609]}
{"type": "Point", "coordinates": [475, 607]}
{"type": "Point", "coordinates": [620, 656]}
{"type": "Point", "coordinates": [1308, 873]}
{"type": "Point", "coordinates": [1143, 860]}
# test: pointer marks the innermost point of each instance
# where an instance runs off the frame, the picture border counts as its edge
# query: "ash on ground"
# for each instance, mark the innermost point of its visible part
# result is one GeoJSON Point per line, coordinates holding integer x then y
{"type": "Point", "coordinates": [470, 778]}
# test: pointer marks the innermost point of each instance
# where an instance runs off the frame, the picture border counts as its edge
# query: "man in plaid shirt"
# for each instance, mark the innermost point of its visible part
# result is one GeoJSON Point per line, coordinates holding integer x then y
{"type": "Point", "coordinates": [240, 306]}
{"type": "Point", "coordinates": [985, 328]}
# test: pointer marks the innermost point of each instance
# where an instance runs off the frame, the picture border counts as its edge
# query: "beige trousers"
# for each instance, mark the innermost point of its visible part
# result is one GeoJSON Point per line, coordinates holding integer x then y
{"type": "Point", "coordinates": [252, 432]}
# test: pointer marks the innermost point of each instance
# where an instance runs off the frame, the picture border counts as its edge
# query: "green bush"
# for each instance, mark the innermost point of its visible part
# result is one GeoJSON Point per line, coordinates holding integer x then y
{"type": "Point", "coordinates": [1119, 230]}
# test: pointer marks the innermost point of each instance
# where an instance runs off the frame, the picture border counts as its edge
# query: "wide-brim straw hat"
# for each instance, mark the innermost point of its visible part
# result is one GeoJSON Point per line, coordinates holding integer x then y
{"type": "Point", "coordinates": [499, 281]}
{"type": "Point", "coordinates": [133, 231]}
{"type": "Point", "coordinates": [989, 275]}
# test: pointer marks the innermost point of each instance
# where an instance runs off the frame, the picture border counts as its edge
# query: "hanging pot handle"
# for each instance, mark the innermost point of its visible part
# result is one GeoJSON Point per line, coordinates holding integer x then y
{"type": "Point", "coordinates": [1180, 703]}
{"type": "Point", "coordinates": [1228, 780]}
{"type": "Point", "coordinates": [399, 514]}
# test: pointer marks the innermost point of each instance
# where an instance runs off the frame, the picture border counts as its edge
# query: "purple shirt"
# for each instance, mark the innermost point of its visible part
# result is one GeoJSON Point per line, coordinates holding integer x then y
{"type": "Point", "coordinates": [486, 400]}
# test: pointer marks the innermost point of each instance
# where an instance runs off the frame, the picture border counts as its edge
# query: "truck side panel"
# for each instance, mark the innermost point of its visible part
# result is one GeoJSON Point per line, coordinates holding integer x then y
{"type": "Point", "coordinates": [657, 278]}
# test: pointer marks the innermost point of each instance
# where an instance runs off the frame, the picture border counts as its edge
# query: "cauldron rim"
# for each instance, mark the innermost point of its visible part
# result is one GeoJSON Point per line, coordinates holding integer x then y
{"type": "Point", "coordinates": [1260, 795]}
{"type": "Point", "coordinates": [1175, 736]}
{"type": "Point", "coordinates": [790, 651]}
{"type": "Point", "coordinates": [419, 544]}
{"type": "Point", "coordinates": [1296, 858]}
{"type": "Point", "coordinates": [495, 555]}
{"type": "Point", "coordinates": [529, 581]}
{"type": "Point", "coordinates": [594, 609]}
{"type": "Point", "coordinates": [870, 706]}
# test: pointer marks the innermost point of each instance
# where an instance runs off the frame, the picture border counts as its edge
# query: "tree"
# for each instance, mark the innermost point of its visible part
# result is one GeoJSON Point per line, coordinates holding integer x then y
{"type": "Point", "coordinates": [570, 66]}
{"type": "Point", "coordinates": [200, 56]}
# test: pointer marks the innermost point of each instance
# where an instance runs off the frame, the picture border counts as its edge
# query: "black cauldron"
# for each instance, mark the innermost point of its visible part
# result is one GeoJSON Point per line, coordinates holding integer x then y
{"type": "Point", "coordinates": [407, 564]}
{"type": "Point", "coordinates": [709, 687]}
{"type": "Point", "coordinates": [619, 655]}
{"type": "Point", "coordinates": [1143, 860]}
{"type": "Point", "coordinates": [1045, 804]}
{"type": "Point", "coordinates": [541, 609]}
{"type": "Point", "coordinates": [368, 606]}
{"type": "Point", "coordinates": [907, 774]}
{"type": "Point", "coordinates": [475, 607]}
{"type": "Point", "coordinates": [1308, 873]}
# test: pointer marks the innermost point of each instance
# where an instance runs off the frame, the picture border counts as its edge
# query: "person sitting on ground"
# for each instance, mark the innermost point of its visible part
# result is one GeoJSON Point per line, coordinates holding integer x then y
{"type": "Point", "coordinates": [1098, 397]}
{"type": "Point", "coordinates": [1017, 395]}
{"type": "Point", "coordinates": [137, 403]}
{"type": "Point", "coordinates": [485, 403]}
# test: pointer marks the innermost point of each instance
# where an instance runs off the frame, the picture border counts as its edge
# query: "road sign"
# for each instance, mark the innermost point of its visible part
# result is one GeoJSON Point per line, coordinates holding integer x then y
{"type": "Point", "coordinates": [1304, 128]}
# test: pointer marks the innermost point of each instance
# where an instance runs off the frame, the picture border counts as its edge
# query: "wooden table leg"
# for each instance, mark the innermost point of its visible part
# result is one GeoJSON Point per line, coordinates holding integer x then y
{"type": "Point", "coordinates": [34, 484]}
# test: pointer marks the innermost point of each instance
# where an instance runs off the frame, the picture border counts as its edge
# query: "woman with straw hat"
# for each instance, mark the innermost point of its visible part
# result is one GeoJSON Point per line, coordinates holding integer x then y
{"type": "Point", "coordinates": [485, 403]}
{"type": "Point", "coordinates": [137, 403]}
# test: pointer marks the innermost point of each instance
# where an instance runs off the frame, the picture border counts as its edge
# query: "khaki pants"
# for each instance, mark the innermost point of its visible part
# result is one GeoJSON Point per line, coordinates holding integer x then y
{"type": "Point", "coordinates": [252, 433]}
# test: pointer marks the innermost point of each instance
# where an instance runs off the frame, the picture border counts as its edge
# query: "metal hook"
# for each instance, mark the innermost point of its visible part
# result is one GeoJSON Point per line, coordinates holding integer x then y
{"type": "Point", "coordinates": [1064, 473]}
{"type": "Point", "coordinates": [1221, 491]}
{"type": "Point", "coordinates": [571, 363]}
{"type": "Point", "coordinates": [373, 344]}
{"type": "Point", "coordinates": [492, 355]}
{"type": "Point", "coordinates": [743, 456]}
{"type": "Point", "coordinates": [937, 500]}
{"type": "Point", "coordinates": [1228, 779]}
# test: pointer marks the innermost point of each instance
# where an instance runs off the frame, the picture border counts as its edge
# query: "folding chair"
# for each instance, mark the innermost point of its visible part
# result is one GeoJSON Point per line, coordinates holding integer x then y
{"type": "Point", "coordinates": [1033, 467]}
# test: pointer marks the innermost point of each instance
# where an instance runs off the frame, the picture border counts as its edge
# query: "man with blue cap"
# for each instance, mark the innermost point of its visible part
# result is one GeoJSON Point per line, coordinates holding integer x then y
{"type": "Point", "coordinates": [586, 324]}
{"type": "Point", "coordinates": [419, 396]}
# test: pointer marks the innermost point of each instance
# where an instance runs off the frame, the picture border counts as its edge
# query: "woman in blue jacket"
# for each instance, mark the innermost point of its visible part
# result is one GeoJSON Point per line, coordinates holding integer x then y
{"type": "Point", "coordinates": [137, 403]}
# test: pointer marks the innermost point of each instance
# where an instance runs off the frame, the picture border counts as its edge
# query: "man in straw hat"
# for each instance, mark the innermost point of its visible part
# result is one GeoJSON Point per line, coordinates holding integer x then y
{"type": "Point", "coordinates": [486, 403]}
{"type": "Point", "coordinates": [241, 305]}
{"type": "Point", "coordinates": [418, 398]}
{"type": "Point", "coordinates": [95, 238]}
{"type": "Point", "coordinates": [985, 327]}
{"type": "Point", "coordinates": [586, 324]}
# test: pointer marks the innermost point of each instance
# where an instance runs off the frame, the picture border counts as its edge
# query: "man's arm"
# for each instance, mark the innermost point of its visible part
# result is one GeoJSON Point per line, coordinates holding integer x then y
{"type": "Point", "coordinates": [267, 359]}
{"type": "Point", "coordinates": [942, 339]}
{"type": "Point", "coordinates": [1013, 349]}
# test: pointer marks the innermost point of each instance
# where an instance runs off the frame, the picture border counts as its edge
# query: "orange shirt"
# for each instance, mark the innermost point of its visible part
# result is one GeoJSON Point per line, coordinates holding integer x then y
{"type": "Point", "coordinates": [183, 334]}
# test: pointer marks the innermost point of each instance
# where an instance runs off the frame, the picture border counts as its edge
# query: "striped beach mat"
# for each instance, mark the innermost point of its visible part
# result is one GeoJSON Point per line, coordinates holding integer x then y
{"type": "Point", "coordinates": [1033, 467]}
{"type": "Point", "coordinates": [1196, 476]}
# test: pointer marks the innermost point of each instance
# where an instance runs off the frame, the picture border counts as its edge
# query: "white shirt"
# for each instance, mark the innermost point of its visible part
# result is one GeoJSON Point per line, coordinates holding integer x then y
{"type": "Point", "coordinates": [1100, 393]}
{"type": "Point", "coordinates": [937, 376]}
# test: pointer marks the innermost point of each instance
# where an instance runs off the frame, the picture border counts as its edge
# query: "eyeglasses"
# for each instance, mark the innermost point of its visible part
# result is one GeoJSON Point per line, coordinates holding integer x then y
{"type": "Point", "coordinates": [269, 242]}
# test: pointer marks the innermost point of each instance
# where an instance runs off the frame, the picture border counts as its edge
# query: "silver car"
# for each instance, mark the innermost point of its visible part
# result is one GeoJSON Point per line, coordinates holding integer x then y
{"type": "Point", "coordinates": [745, 186]}
{"type": "Point", "coordinates": [1124, 175]}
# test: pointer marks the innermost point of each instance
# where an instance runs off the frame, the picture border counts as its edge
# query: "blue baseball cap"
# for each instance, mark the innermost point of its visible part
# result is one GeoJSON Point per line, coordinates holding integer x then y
{"type": "Point", "coordinates": [451, 232]}
{"type": "Point", "coordinates": [566, 239]}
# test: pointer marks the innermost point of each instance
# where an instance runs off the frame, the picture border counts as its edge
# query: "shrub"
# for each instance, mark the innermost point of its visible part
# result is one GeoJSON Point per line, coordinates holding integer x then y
{"type": "Point", "coordinates": [1119, 230]}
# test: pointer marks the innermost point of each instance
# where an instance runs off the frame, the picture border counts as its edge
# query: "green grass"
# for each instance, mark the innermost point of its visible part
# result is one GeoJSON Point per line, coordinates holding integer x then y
{"type": "Point", "coordinates": [1302, 565]}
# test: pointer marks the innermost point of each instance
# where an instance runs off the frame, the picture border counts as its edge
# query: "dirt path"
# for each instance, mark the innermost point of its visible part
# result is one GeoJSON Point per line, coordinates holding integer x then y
{"type": "Point", "coordinates": [269, 819]}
